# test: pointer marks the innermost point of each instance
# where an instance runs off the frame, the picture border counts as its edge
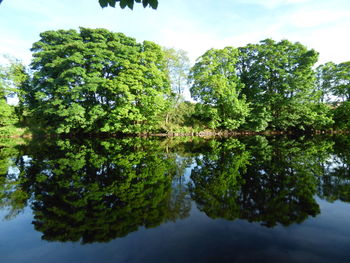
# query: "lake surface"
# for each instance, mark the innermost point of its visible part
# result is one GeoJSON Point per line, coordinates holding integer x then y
{"type": "Point", "coordinates": [246, 199]}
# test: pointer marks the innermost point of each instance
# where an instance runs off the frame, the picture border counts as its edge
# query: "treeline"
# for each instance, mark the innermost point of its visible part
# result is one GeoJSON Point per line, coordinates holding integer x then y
{"type": "Point", "coordinates": [97, 81]}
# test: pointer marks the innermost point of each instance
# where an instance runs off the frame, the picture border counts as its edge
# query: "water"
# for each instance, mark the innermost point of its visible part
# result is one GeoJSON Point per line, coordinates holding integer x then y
{"type": "Point", "coordinates": [247, 199]}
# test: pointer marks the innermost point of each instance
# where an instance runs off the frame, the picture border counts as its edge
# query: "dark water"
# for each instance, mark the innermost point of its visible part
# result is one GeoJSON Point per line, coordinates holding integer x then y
{"type": "Point", "coordinates": [249, 199]}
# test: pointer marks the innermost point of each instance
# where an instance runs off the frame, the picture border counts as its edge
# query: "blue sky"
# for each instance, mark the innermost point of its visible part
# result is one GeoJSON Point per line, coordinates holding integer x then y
{"type": "Point", "coordinates": [192, 25]}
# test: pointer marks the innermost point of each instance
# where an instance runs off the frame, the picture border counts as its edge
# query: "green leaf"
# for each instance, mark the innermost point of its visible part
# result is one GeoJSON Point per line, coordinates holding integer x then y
{"type": "Point", "coordinates": [112, 2]}
{"type": "Point", "coordinates": [103, 3]}
{"type": "Point", "coordinates": [131, 4]}
{"type": "Point", "coordinates": [145, 3]}
{"type": "Point", "coordinates": [123, 3]}
{"type": "Point", "coordinates": [153, 3]}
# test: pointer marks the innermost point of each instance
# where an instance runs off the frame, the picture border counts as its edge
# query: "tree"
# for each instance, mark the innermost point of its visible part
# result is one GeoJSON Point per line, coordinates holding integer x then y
{"type": "Point", "coordinates": [334, 79]}
{"type": "Point", "coordinates": [95, 80]}
{"type": "Point", "coordinates": [279, 81]}
{"type": "Point", "coordinates": [341, 85]}
{"type": "Point", "coordinates": [7, 112]}
{"type": "Point", "coordinates": [217, 87]}
{"type": "Point", "coordinates": [128, 3]}
{"type": "Point", "coordinates": [341, 116]}
{"type": "Point", "coordinates": [178, 66]}
{"type": "Point", "coordinates": [325, 78]}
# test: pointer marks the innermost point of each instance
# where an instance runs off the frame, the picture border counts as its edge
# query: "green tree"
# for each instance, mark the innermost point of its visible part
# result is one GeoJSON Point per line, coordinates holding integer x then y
{"type": "Point", "coordinates": [95, 81]}
{"type": "Point", "coordinates": [217, 87]}
{"type": "Point", "coordinates": [341, 116]}
{"type": "Point", "coordinates": [7, 112]}
{"type": "Point", "coordinates": [178, 66]}
{"type": "Point", "coordinates": [325, 80]}
{"type": "Point", "coordinates": [279, 82]}
{"type": "Point", "coordinates": [334, 79]}
{"type": "Point", "coordinates": [341, 86]}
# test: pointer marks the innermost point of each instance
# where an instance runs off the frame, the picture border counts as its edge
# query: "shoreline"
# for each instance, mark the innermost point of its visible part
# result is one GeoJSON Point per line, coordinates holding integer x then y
{"type": "Point", "coordinates": [239, 133]}
{"type": "Point", "coordinates": [185, 134]}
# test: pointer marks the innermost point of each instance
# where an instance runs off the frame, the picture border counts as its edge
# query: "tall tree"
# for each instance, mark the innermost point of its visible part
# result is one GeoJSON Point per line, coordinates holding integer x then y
{"type": "Point", "coordinates": [95, 80]}
{"type": "Point", "coordinates": [279, 80]}
{"type": "Point", "coordinates": [325, 80]}
{"type": "Point", "coordinates": [341, 77]}
{"type": "Point", "coordinates": [178, 66]}
{"type": "Point", "coordinates": [7, 113]}
{"type": "Point", "coordinates": [217, 87]}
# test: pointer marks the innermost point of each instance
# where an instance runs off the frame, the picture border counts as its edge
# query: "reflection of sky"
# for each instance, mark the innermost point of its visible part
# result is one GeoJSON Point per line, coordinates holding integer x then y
{"type": "Point", "coordinates": [198, 238]}
{"type": "Point", "coordinates": [13, 171]}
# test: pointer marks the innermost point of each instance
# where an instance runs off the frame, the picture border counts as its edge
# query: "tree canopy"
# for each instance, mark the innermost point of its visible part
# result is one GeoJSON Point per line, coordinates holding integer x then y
{"type": "Point", "coordinates": [93, 80]}
{"type": "Point", "coordinates": [279, 79]}
{"type": "Point", "coordinates": [334, 79]}
{"type": "Point", "coordinates": [216, 85]}
{"type": "Point", "coordinates": [97, 81]}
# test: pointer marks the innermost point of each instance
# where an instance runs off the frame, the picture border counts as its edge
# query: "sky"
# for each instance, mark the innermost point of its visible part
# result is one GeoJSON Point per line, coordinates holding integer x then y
{"type": "Point", "coordinates": [192, 25]}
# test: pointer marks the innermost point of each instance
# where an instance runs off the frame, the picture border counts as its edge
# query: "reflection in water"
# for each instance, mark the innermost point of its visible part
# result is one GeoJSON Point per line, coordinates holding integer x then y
{"type": "Point", "coordinates": [99, 192]}
{"type": "Point", "coordinates": [280, 184]}
{"type": "Point", "coordinates": [217, 179]}
{"type": "Point", "coordinates": [335, 181]}
{"type": "Point", "coordinates": [96, 191]}
{"type": "Point", "coordinates": [12, 196]}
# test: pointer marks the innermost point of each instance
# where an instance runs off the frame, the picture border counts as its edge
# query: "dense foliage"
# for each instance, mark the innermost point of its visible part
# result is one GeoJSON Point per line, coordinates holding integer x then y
{"type": "Point", "coordinates": [217, 87]}
{"type": "Point", "coordinates": [7, 113]}
{"type": "Point", "coordinates": [279, 83]}
{"type": "Point", "coordinates": [94, 81]}
{"type": "Point", "coordinates": [128, 3]}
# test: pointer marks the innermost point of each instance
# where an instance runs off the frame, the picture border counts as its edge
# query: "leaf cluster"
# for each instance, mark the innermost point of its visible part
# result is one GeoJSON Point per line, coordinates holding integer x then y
{"type": "Point", "coordinates": [129, 3]}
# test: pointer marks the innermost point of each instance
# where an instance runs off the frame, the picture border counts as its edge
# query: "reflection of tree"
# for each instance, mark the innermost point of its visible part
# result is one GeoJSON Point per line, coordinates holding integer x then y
{"type": "Point", "coordinates": [335, 182]}
{"type": "Point", "coordinates": [94, 191]}
{"type": "Point", "coordinates": [217, 179]}
{"type": "Point", "coordinates": [266, 181]}
{"type": "Point", "coordinates": [12, 196]}
{"type": "Point", "coordinates": [281, 181]}
{"type": "Point", "coordinates": [99, 192]}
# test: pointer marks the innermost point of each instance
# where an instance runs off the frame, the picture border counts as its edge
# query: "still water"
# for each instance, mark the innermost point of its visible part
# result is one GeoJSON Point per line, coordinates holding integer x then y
{"type": "Point", "coordinates": [247, 199]}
